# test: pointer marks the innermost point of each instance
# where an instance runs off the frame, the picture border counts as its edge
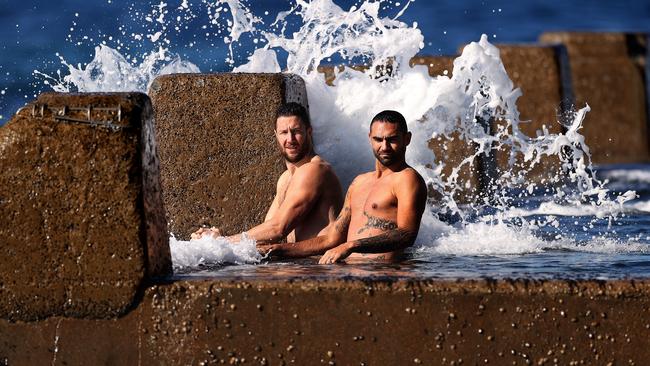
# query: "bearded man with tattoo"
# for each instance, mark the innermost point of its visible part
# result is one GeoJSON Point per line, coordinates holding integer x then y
{"type": "Point", "coordinates": [382, 209]}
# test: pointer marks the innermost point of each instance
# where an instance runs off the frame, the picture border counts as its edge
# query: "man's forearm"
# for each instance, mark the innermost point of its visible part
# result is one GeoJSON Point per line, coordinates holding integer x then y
{"type": "Point", "coordinates": [302, 249]}
{"type": "Point", "coordinates": [388, 241]}
{"type": "Point", "coordinates": [266, 232]}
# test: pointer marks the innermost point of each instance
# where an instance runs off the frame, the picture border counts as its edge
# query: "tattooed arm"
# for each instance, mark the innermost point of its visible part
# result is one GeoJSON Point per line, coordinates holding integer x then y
{"type": "Point", "coordinates": [411, 194]}
{"type": "Point", "coordinates": [335, 234]}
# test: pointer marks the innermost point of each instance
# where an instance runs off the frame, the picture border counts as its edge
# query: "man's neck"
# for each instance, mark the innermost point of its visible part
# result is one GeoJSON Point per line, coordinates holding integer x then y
{"type": "Point", "coordinates": [382, 170]}
{"type": "Point", "coordinates": [293, 166]}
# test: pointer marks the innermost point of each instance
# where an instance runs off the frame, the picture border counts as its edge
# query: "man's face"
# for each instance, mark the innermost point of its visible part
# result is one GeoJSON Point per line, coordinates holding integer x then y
{"type": "Point", "coordinates": [293, 138]}
{"type": "Point", "coordinates": [388, 143]}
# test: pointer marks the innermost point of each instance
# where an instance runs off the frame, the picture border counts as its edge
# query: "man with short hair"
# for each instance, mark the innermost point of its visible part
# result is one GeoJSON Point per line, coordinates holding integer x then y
{"type": "Point", "coordinates": [382, 209]}
{"type": "Point", "coordinates": [308, 194]}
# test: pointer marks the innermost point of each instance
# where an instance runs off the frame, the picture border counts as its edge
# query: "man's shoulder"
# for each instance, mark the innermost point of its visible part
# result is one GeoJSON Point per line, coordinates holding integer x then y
{"type": "Point", "coordinates": [284, 176]}
{"type": "Point", "coordinates": [313, 171]}
{"type": "Point", "coordinates": [316, 165]}
{"type": "Point", "coordinates": [410, 178]}
{"type": "Point", "coordinates": [409, 173]}
{"type": "Point", "coordinates": [362, 178]}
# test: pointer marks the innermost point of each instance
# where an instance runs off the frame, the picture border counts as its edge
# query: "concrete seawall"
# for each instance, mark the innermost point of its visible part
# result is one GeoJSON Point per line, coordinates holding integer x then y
{"type": "Point", "coordinates": [85, 275]}
{"type": "Point", "coordinates": [82, 220]}
{"type": "Point", "coordinates": [356, 322]}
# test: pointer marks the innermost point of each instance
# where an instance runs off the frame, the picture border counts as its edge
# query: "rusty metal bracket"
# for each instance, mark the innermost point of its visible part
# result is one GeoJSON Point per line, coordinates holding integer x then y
{"type": "Point", "coordinates": [63, 114]}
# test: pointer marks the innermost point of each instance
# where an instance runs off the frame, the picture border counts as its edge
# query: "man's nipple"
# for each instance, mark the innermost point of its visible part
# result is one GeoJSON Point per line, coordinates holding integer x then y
{"type": "Point", "coordinates": [374, 206]}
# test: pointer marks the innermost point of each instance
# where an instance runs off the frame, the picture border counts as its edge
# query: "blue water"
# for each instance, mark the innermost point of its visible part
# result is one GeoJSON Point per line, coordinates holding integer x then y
{"type": "Point", "coordinates": [617, 251]}
{"type": "Point", "coordinates": [32, 32]}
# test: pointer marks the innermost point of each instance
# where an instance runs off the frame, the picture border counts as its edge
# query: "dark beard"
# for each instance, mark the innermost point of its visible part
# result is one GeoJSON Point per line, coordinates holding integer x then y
{"type": "Point", "coordinates": [392, 159]}
{"type": "Point", "coordinates": [303, 152]}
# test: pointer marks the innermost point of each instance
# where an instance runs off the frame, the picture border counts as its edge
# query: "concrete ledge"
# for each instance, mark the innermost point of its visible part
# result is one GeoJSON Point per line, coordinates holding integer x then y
{"type": "Point", "coordinates": [354, 322]}
{"type": "Point", "coordinates": [80, 199]}
{"type": "Point", "coordinates": [219, 160]}
{"type": "Point", "coordinates": [535, 70]}
{"type": "Point", "coordinates": [606, 74]}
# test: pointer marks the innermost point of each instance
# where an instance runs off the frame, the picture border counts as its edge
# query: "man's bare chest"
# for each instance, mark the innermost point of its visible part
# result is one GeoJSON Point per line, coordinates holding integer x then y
{"type": "Point", "coordinates": [374, 198]}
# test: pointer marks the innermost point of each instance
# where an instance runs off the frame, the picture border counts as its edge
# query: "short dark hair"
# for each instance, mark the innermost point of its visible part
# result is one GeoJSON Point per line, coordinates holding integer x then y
{"type": "Point", "coordinates": [391, 117]}
{"type": "Point", "coordinates": [293, 109]}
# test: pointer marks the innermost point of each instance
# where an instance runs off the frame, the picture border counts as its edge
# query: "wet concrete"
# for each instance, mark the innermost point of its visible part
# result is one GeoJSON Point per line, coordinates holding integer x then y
{"type": "Point", "coordinates": [219, 160]}
{"type": "Point", "coordinates": [354, 322]}
{"type": "Point", "coordinates": [452, 151]}
{"type": "Point", "coordinates": [80, 200]}
{"type": "Point", "coordinates": [608, 75]}
{"type": "Point", "coordinates": [535, 71]}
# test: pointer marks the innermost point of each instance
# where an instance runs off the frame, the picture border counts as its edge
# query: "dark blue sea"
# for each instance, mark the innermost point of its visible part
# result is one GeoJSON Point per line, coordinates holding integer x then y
{"type": "Point", "coordinates": [33, 32]}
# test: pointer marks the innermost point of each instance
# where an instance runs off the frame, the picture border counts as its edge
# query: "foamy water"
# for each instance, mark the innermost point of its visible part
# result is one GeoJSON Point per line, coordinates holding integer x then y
{"type": "Point", "coordinates": [210, 251]}
{"type": "Point", "coordinates": [477, 89]}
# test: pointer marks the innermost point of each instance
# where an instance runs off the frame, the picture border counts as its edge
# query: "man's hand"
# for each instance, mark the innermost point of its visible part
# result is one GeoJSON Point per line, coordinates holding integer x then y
{"type": "Point", "coordinates": [336, 254]}
{"type": "Point", "coordinates": [266, 249]}
{"type": "Point", "coordinates": [204, 231]}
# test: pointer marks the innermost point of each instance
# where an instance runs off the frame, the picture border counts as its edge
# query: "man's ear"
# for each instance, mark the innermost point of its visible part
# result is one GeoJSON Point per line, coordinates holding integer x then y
{"type": "Point", "coordinates": [408, 138]}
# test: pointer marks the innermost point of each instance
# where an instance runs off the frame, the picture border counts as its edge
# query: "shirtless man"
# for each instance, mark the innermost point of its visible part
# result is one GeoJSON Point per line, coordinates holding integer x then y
{"type": "Point", "coordinates": [308, 194]}
{"type": "Point", "coordinates": [382, 210]}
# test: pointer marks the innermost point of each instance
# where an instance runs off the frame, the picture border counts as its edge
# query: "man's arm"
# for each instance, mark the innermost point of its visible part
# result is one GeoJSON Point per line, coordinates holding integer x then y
{"type": "Point", "coordinates": [411, 196]}
{"type": "Point", "coordinates": [214, 231]}
{"type": "Point", "coordinates": [303, 192]}
{"type": "Point", "coordinates": [335, 234]}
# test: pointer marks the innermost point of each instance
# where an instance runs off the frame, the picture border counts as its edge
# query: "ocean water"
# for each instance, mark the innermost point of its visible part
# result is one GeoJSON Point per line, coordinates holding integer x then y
{"type": "Point", "coordinates": [476, 250]}
{"type": "Point", "coordinates": [584, 222]}
{"type": "Point", "coordinates": [33, 32]}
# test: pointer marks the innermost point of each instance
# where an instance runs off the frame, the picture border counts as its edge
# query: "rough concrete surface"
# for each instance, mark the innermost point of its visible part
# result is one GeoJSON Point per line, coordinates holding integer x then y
{"type": "Point", "coordinates": [606, 75]}
{"type": "Point", "coordinates": [219, 159]}
{"type": "Point", "coordinates": [535, 71]}
{"type": "Point", "coordinates": [82, 215]}
{"type": "Point", "coordinates": [354, 322]}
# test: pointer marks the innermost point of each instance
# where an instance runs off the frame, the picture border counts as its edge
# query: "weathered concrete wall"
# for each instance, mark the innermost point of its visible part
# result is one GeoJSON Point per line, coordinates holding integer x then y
{"type": "Point", "coordinates": [535, 70]}
{"type": "Point", "coordinates": [82, 220]}
{"type": "Point", "coordinates": [607, 76]}
{"type": "Point", "coordinates": [219, 161]}
{"type": "Point", "coordinates": [306, 322]}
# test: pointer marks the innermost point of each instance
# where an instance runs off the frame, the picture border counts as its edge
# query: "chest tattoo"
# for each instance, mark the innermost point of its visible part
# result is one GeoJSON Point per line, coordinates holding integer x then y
{"type": "Point", "coordinates": [377, 223]}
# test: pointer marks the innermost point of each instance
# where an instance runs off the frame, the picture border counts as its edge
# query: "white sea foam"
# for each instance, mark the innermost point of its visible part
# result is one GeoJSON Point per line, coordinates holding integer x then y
{"type": "Point", "coordinates": [209, 250]}
{"type": "Point", "coordinates": [505, 239]}
{"type": "Point", "coordinates": [641, 206]}
{"type": "Point", "coordinates": [110, 71]}
{"type": "Point", "coordinates": [628, 175]}
{"type": "Point", "coordinates": [486, 239]}
{"type": "Point", "coordinates": [576, 209]}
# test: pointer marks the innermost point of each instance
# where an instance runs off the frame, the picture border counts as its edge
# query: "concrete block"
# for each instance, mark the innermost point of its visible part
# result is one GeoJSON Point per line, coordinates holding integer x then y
{"type": "Point", "coordinates": [30, 343]}
{"type": "Point", "coordinates": [111, 341]}
{"type": "Point", "coordinates": [451, 151]}
{"type": "Point", "coordinates": [83, 223]}
{"type": "Point", "coordinates": [437, 65]}
{"type": "Point", "coordinates": [535, 70]}
{"type": "Point", "coordinates": [606, 74]}
{"type": "Point", "coordinates": [218, 154]}
{"type": "Point", "coordinates": [305, 321]}
{"type": "Point", "coordinates": [353, 322]}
